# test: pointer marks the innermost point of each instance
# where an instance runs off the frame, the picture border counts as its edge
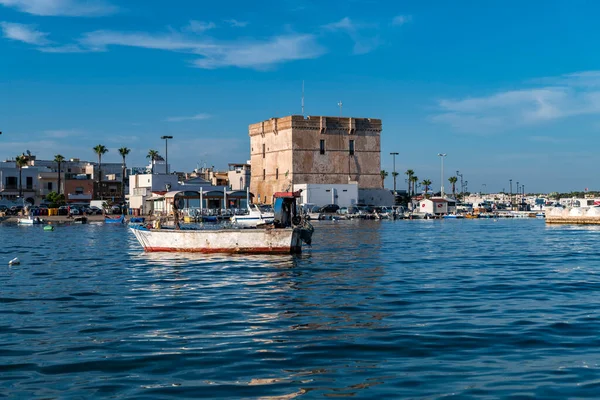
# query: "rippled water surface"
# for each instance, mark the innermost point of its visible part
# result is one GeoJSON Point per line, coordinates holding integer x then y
{"type": "Point", "coordinates": [391, 309]}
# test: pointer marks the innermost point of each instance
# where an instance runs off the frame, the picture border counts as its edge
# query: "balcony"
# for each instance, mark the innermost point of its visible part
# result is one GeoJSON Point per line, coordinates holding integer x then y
{"type": "Point", "coordinates": [79, 196]}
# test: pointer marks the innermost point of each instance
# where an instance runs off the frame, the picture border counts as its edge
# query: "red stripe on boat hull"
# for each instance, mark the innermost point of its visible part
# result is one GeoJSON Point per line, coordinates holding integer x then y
{"type": "Point", "coordinates": [253, 250]}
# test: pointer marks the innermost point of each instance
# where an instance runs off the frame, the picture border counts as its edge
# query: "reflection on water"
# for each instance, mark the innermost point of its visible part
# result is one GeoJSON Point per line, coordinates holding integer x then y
{"type": "Point", "coordinates": [382, 309]}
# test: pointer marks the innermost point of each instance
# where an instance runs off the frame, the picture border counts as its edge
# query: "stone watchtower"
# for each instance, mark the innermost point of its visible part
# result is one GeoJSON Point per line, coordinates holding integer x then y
{"type": "Point", "coordinates": [313, 150]}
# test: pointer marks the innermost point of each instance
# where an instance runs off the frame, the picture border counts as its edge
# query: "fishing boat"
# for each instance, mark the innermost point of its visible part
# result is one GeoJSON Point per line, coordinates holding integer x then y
{"type": "Point", "coordinates": [114, 220]}
{"type": "Point", "coordinates": [285, 235]}
{"type": "Point", "coordinates": [454, 216]}
{"type": "Point", "coordinates": [255, 217]}
{"type": "Point", "coordinates": [30, 221]}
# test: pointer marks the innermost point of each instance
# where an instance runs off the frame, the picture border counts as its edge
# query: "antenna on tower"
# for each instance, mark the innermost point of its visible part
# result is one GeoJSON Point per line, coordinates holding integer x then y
{"type": "Point", "coordinates": [303, 98]}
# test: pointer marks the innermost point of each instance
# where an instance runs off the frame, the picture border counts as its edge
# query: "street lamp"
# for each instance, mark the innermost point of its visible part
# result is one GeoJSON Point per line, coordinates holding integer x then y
{"type": "Point", "coordinates": [166, 138]}
{"type": "Point", "coordinates": [394, 173]}
{"type": "Point", "coordinates": [442, 155]}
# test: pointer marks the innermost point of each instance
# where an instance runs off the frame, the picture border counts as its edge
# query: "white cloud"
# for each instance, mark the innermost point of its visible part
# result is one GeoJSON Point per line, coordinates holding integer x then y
{"type": "Point", "coordinates": [261, 55]}
{"type": "Point", "coordinates": [400, 20]}
{"type": "Point", "coordinates": [199, 26]}
{"type": "Point", "coordinates": [196, 117]}
{"type": "Point", "coordinates": [24, 33]}
{"type": "Point", "coordinates": [63, 133]}
{"type": "Point", "coordinates": [363, 43]}
{"type": "Point", "coordinates": [243, 54]}
{"type": "Point", "coordinates": [236, 24]}
{"type": "Point", "coordinates": [567, 96]}
{"type": "Point", "coordinates": [345, 24]}
{"type": "Point", "coordinates": [70, 8]}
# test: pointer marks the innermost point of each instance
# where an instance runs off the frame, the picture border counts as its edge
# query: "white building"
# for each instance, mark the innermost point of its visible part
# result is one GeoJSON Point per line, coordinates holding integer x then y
{"type": "Point", "coordinates": [434, 206]}
{"type": "Point", "coordinates": [344, 195]}
{"type": "Point", "coordinates": [143, 187]}
{"type": "Point", "coordinates": [239, 176]}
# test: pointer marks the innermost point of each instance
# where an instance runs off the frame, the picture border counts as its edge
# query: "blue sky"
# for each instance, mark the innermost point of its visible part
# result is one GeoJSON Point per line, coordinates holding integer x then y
{"type": "Point", "coordinates": [508, 89]}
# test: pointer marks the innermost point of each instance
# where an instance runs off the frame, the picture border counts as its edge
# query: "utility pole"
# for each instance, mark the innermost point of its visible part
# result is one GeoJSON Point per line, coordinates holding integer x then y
{"type": "Point", "coordinates": [511, 202]}
{"type": "Point", "coordinates": [166, 138]}
{"type": "Point", "coordinates": [442, 155]}
{"type": "Point", "coordinates": [394, 174]}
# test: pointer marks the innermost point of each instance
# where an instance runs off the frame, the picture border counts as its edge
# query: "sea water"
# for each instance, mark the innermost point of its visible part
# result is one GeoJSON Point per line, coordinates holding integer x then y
{"type": "Point", "coordinates": [375, 309]}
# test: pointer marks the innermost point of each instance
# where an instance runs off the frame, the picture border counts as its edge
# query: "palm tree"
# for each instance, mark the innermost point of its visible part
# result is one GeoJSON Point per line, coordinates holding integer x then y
{"type": "Point", "coordinates": [383, 175]}
{"type": "Point", "coordinates": [426, 183]}
{"type": "Point", "coordinates": [100, 150]}
{"type": "Point", "coordinates": [58, 159]}
{"type": "Point", "coordinates": [152, 155]}
{"type": "Point", "coordinates": [410, 174]}
{"type": "Point", "coordinates": [413, 180]}
{"type": "Point", "coordinates": [123, 151]}
{"type": "Point", "coordinates": [21, 161]}
{"type": "Point", "coordinates": [453, 181]}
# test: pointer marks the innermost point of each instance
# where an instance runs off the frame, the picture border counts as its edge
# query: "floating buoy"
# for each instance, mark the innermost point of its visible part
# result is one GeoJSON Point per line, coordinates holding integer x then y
{"type": "Point", "coordinates": [14, 261]}
{"type": "Point", "coordinates": [48, 228]}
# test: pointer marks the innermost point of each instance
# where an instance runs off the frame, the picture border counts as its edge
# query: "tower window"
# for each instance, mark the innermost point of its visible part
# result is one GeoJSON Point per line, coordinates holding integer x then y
{"type": "Point", "coordinates": [276, 173]}
{"type": "Point", "coordinates": [263, 150]}
{"type": "Point", "coordinates": [322, 146]}
{"type": "Point", "coordinates": [264, 174]}
{"type": "Point", "coordinates": [351, 148]}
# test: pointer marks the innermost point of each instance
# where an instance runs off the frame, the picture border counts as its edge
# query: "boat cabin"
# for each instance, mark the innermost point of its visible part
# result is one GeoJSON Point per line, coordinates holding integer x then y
{"type": "Point", "coordinates": [285, 209]}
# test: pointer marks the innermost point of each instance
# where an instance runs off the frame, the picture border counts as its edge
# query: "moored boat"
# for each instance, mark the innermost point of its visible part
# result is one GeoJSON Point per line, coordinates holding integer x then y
{"type": "Point", "coordinates": [114, 220]}
{"type": "Point", "coordinates": [30, 221]}
{"type": "Point", "coordinates": [285, 235]}
{"type": "Point", "coordinates": [254, 218]}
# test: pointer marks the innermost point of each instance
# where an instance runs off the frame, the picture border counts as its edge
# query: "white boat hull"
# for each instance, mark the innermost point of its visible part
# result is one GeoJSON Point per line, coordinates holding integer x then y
{"type": "Point", "coordinates": [260, 240]}
{"type": "Point", "coordinates": [28, 221]}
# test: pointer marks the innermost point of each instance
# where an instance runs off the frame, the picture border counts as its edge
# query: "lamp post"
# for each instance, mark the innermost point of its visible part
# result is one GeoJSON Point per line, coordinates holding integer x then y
{"type": "Point", "coordinates": [166, 138]}
{"type": "Point", "coordinates": [511, 202]}
{"type": "Point", "coordinates": [442, 155]}
{"type": "Point", "coordinates": [394, 158]}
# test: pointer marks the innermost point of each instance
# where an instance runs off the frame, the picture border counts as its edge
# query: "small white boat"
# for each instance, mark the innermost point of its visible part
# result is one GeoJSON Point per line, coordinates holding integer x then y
{"type": "Point", "coordinates": [254, 218]}
{"type": "Point", "coordinates": [30, 221]}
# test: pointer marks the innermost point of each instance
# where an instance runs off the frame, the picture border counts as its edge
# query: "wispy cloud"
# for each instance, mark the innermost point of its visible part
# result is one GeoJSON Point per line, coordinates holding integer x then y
{"type": "Point", "coordinates": [400, 20]}
{"type": "Point", "coordinates": [63, 133]}
{"type": "Point", "coordinates": [345, 24]}
{"type": "Point", "coordinates": [69, 8]}
{"type": "Point", "coordinates": [236, 24]}
{"type": "Point", "coordinates": [213, 53]}
{"type": "Point", "coordinates": [547, 139]}
{"type": "Point", "coordinates": [562, 97]}
{"type": "Point", "coordinates": [196, 117]}
{"type": "Point", "coordinates": [365, 36]}
{"type": "Point", "coordinates": [199, 26]}
{"type": "Point", "coordinates": [24, 33]}
{"type": "Point", "coordinates": [261, 54]}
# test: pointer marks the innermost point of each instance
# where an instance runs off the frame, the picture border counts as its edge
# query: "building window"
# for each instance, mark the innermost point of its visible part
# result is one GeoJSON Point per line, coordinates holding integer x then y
{"type": "Point", "coordinates": [50, 186]}
{"type": "Point", "coordinates": [263, 150]}
{"type": "Point", "coordinates": [276, 173]}
{"type": "Point", "coordinates": [29, 182]}
{"type": "Point", "coordinates": [351, 148]}
{"type": "Point", "coordinates": [322, 146]}
{"type": "Point", "coordinates": [264, 174]}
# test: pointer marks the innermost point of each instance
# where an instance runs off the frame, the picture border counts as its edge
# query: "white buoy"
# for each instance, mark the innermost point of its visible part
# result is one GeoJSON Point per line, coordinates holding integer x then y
{"type": "Point", "coordinates": [14, 261]}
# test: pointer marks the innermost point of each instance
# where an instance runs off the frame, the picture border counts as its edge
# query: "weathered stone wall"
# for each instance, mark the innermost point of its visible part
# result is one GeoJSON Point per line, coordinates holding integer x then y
{"type": "Point", "coordinates": [292, 145]}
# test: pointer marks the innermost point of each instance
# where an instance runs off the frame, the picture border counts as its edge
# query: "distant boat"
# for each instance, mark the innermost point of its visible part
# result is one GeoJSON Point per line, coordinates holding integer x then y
{"type": "Point", "coordinates": [137, 220]}
{"type": "Point", "coordinates": [30, 221]}
{"type": "Point", "coordinates": [114, 220]}
{"type": "Point", "coordinates": [454, 216]}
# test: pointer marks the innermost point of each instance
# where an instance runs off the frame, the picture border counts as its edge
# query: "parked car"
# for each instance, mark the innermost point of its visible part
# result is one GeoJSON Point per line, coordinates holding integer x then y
{"type": "Point", "coordinates": [329, 208]}
{"type": "Point", "coordinates": [342, 211]}
{"type": "Point", "coordinates": [93, 210]}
